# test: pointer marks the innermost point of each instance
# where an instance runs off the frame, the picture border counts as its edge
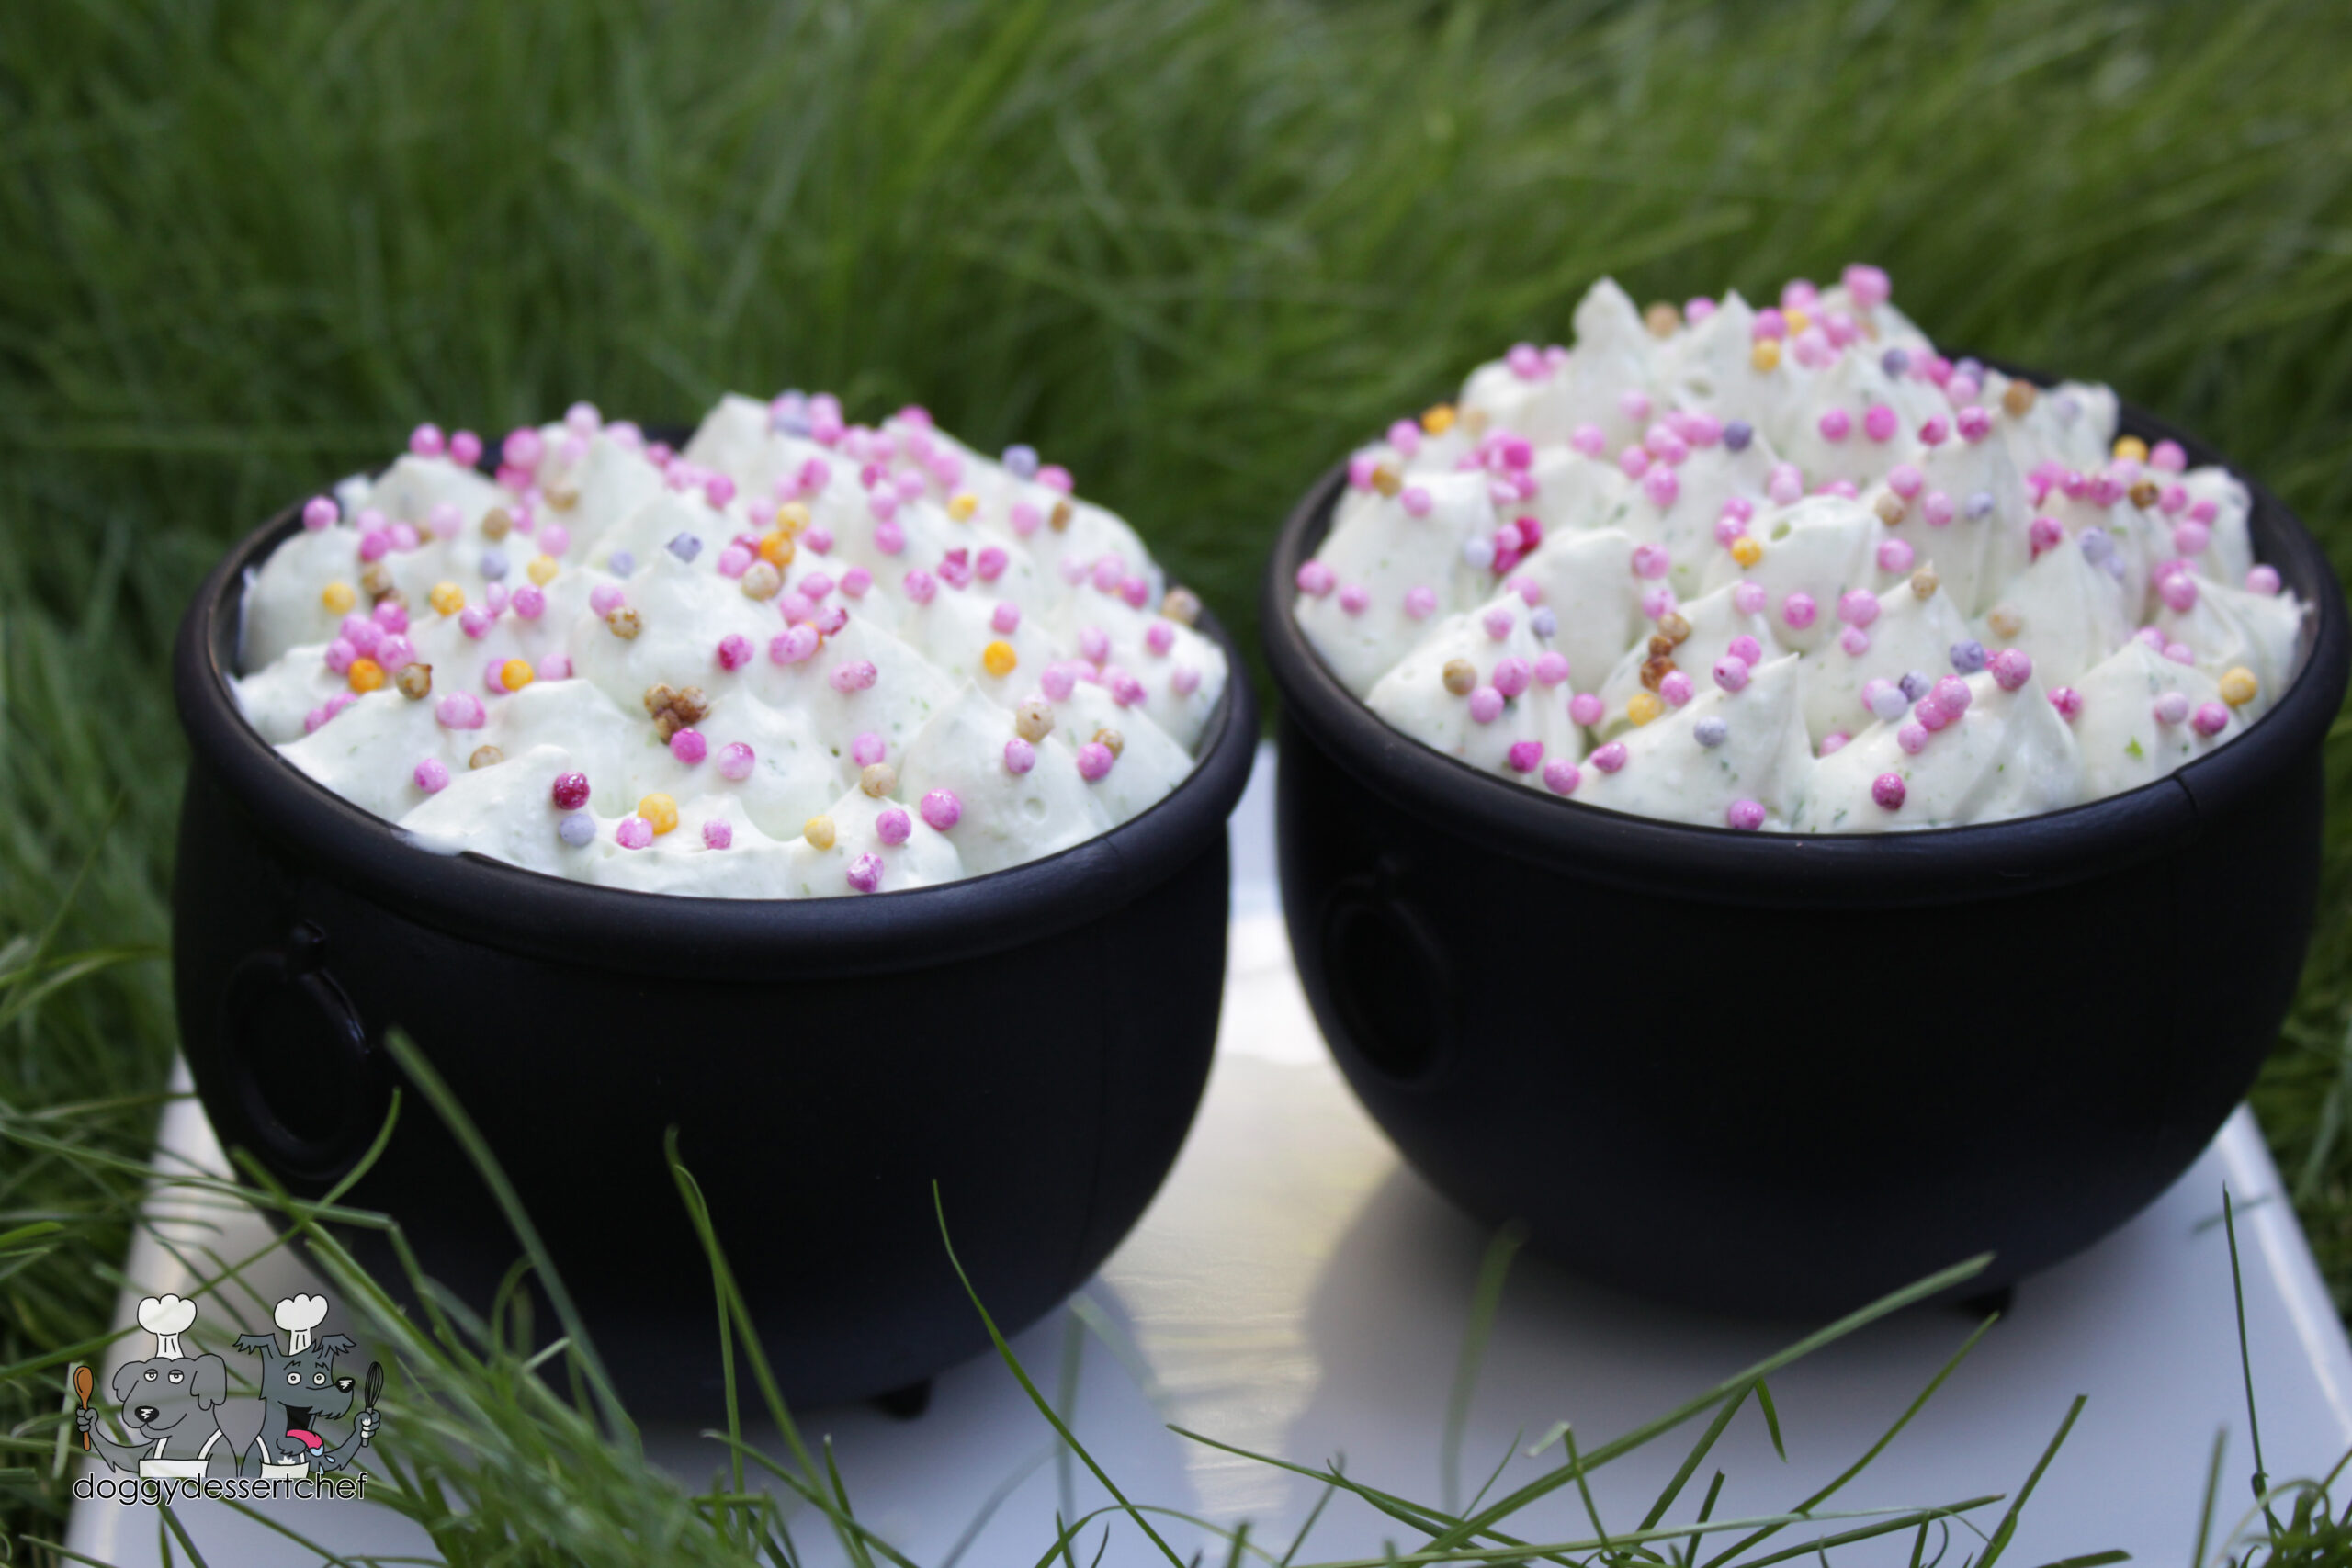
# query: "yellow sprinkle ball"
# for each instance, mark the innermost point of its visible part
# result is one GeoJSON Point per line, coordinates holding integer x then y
{"type": "Point", "coordinates": [339, 597]}
{"type": "Point", "coordinates": [792, 516]}
{"type": "Point", "coordinates": [365, 675]}
{"type": "Point", "coordinates": [819, 831]}
{"type": "Point", "coordinates": [517, 674]}
{"type": "Point", "coordinates": [2239, 687]}
{"type": "Point", "coordinates": [1765, 354]}
{"type": "Point", "coordinates": [1798, 320]}
{"type": "Point", "coordinates": [1644, 707]}
{"type": "Point", "coordinates": [2132, 447]}
{"type": "Point", "coordinates": [961, 505]}
{"type": "Point", "coordinates": [660, 812]}
{"type": "Point", "coordinates": [1439, 420]}
{"type": "Point", "coordinates": [999, 658]}
{"type": "Point", "coordinates": [1745, 551]}
{"type": "Point", "coordinates": [447, 598]}
{"type": "Point", "coordinates": [542, 569]}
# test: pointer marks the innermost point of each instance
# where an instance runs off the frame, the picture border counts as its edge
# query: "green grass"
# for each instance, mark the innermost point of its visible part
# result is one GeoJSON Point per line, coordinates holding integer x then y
{"type": "Point", "coordinates": [1191, 249]}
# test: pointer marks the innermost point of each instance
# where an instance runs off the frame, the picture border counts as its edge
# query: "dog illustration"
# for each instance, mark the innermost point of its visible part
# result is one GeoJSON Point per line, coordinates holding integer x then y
{"type": "Point", "coordinates": [173, 1400]}
{"type": "Point", "coordinates": [300, 1388]}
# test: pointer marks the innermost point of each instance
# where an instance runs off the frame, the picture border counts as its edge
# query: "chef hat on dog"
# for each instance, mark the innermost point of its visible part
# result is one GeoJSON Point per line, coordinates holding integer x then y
{"type": "Point", "coordinates": [166, 1317]}
{"type": "Point", "coordinates": [298, 1315]}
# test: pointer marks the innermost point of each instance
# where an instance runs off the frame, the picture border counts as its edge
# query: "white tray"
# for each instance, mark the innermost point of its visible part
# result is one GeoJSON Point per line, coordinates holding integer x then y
{"type": "Point", "coordinates": [1296, 1289]}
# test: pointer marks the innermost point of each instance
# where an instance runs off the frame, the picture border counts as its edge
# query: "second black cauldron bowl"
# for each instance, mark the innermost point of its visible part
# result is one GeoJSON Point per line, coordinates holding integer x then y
{"type": "Point", "coordinates": [1783, 1074]}
{"type": "Point", "coordinates": [1035, 1040]}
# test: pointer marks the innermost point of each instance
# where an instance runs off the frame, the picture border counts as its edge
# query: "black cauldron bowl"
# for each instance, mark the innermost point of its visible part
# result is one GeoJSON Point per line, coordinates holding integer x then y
{"type": "Point", "coordinates": [1779, 1074]}
{"type": "Point", "coordinates": [1035, 1040]}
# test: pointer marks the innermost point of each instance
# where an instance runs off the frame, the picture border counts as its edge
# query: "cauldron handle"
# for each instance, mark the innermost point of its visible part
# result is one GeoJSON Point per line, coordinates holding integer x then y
{"type": "Point", "coordinates": [306, 1076]}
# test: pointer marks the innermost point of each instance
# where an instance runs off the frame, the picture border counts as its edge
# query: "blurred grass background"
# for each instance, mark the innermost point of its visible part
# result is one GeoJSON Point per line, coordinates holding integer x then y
{"type": "Point", "coordinates": [1191, 249]}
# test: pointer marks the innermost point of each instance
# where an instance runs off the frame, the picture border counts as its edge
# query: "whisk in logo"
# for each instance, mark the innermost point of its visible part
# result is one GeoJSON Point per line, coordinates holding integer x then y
{"type": "Point", "coordinates": [177, 1415]}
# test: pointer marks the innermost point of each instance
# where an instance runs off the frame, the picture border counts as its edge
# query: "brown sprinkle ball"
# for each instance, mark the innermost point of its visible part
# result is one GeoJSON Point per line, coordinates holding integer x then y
{"type": "Point", "coordinates": [377, 578]}
{"type": "Point", "coordinates": [625, 622]}
{"type": "Point", "coordinates": [1655, 672]}
{"type": "Point", "coordinates": [2144, 493]}
{"type": "Point", "coordinates": [1183, 606]}
{"type": "Point", "coordinates": [1387, 480]}
{"type": "Point", "coordinates": [1060, 516]}
{"type": "Point", "coordinates": [485, 757]}
{"type": "Point", "coordinates": [1460, 676]}
{"type": "Point", "coordinates": [1889, 508]}
{"type": "Point", "coordinates": [672, 710]}
{"type": "Point", "coordinates": [1924, 582]}
{"type": "Point", "coordinates": [2019, 400]}
{"type": "Point", "coordinates": [762, 582]}
{"type": "Point", "coordinates": [1032, 720]}
{"type": "Point", "coordinates": [1111, 740]}
{"type": "Point", "coordinates": [496, 523]}
{"type": "Point", "coordinates": [1673, 627]}
{"type": "Point", "coordinates": [879, 779]}
{"type": "Point", "coordinates": [563, 497]}
{"type": "Point", "coordinates": [416, 681]}
{"type": "Point", "coordinates": [1661, 319]}
{"type": "Point", "coordinates": [1661, 646]}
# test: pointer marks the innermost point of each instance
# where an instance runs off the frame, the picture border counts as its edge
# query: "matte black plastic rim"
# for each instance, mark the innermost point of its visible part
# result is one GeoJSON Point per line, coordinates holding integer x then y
{"type": "Point", "coordinates": [527, 912]}
{"type": "Point", "coordinates": [1939, 866]}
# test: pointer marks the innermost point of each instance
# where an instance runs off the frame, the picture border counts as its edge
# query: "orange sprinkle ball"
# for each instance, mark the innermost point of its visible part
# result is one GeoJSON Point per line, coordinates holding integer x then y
{"type": "Point", "coordinates": [338, 597]}
{"type": "Point", "coordinates": [660, 812]}
{"type": "Point", "coordinates": [776, 549]}
{"type": "Point", "coordinates": [517, 674]}
{"type": "Point", "coordinates": [999, 658]}
{"type": "Point", "coordinates": [1439, 420]}
{"type": "Point", "coordinates": [447, 598]}
{"type": "Point", "coordinates": [365, 675]}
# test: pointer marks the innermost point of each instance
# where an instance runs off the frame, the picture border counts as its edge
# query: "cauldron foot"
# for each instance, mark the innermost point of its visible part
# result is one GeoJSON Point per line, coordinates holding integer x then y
{"type": "Point", "coordinates": [2002, 1300]}
{"type": "Point", "coordinates": [907, 1403]}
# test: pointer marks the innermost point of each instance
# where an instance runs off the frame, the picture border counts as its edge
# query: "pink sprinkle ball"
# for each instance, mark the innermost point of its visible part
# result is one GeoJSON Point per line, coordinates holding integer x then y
{"type": "Point", "coordinates": [1632, 462]}
{"type": "Point", "coordinates": [1731, 673]}
{"type": "Point", "coordinates": [1858, 607]}
{"type": "Point", "coordinates": [319, 511]}
{"type": "Point", "coordinates": [1498, 624]}
{"type": "Point", "coordinates": [2178, 592]}
{"type": "Point", "coordinates": [1662, 488]}
{"type": "Point", "coordinates": [392, 616]}
{"type": "Point", "coordinates": [941, 809]}
{"type": "Point", "coordinates": [340, 653]}
{"type": "Point", "coordinates": [796, 646]}
{"type": "Point", "coordinates": [522, 447]}
{"type": "Point", "coordinates": [1588, 440]}
{"type": "Point", "coordinates": [1952, 695]}
{"type": "Point", "coordinates": [920, 586]}
{"type": "Point", "coordinates": [1486, 704]}
{"type": "Point", "coordinates": [460, 710]}
{"type": "Point", "coordinates": [570, 791]}
{"type": "Point", "coordinates": [1562, 776]}
{"type": "Point", "coordinates": [475, 622]}
{"type": "Point", "coordinates": [1974, 424]}
{"type": "Point", "coordinates": [1896, 556]}
{"type": "Point", "coordinates": [1183, 680]}
{"type": "Point", "coordinates": [1551, 667]}
{"type": "Point", "coordinates": [605, 597]}
{"type": "Point", "coordinates": [1355, 598]}
{"type": "Point", "coordinates": [1512, 675]}
{"type": "Point", "coordinates": [1610, 758]}
{"type": "Point", "coordinates": [1651, 561]}
{"type": "Point", "coordinates": [734, 652]}
{"type": "Point", "coordinates": [2068, 702]}
{"type": "Point", "coordinates": [1729, 530]}
{"type": "Point", "coordinates": [2172, 708]}
{"type": "Point", "coordinates": [1316, 580]}
{"type": "Point", "coordinates": [1786, 488]}
{"type": "Point", "coordinates": [530, 602]}
{"type": "Point", "coordinates": [893, 826]}
{"type": "Point", "coordinates": [1524, 756]}
{"type": "Point", "coordinates": [1832, 742]}
{"type": "Point", "coordinates": [555, 667]}
{"type": "Point", "coordinates": [1836, 424]}
{"type": "Point", "coordinates": [1057, 682]}
{"type": "Point", "coordinates": [1094, 761]}
{"type": "Point", "coordinates": [426, 441]}
{"type": "Point", "coordinates": [857, 677]}
{"type": "Point", "coordinates": [1769, 324]}
{"type": "Point", "coordinates": [633, 833]}
{"type": "Point", "coordinates": [2190, 539]}
{"type": "Point", "coordinates": [465, 448]}
{"type": "Point", "coordinates": [717, 834]}
{"type": "Point", "coordinates": [1905, 481]}
{"type": "Point", "coordinates": [1698, 309]}
{"type": "Point", "coordinates": [1889, 790]}
{"type": "Point", "coordinates": [1585, 708]}
{"type": "Point", "coordinates": [432, 775]}
{"type": "Point", "coordinates": [1912, 736]}
{"type": "Point", "coordinates": [2263, 580]}
{"type": "Point", "coordinates": [1880, 424]}
{"type": "Point", "coordinates": [735, 761]}
{"type": "Point", "coordinates": [1677, 689]}
{"type": "Point", "coordinates": [2209, 719]}
{"type": "Point", "coordinates": [1744, 816]}
{"type": "Point", "coordinates": [1936, 509]}
{"type": "Point", "coordinates": [1855, 641]}
{"type": "Point", "coordinates": [1019, 756]}
{"type": "Point", "coordinates": [2012, 667]}
{"type": "Point", "coordinates": [1416, 501]}
{"type": "Point", "coordinates": [1749, 599]}
{"type": "Point", "coordinates": [1798, 610]}
{"type": "Point", "coordinates": [689, 747]}
{"type": "Point", "coordinates": [857, 582]}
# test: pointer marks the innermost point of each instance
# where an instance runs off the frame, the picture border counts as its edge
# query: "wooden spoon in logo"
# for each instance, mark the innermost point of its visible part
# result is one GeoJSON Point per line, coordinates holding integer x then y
{"type": "Point", "coordinates": [84, 1379]}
